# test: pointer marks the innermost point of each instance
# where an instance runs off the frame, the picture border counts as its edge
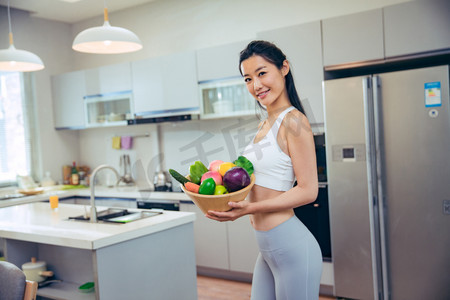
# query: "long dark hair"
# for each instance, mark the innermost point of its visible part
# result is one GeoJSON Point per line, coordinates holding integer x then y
{"type": "Point", "coordinates": [274, 55]}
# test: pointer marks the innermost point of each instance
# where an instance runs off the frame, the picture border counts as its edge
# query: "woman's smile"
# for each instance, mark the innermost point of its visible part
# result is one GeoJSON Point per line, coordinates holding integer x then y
{"type": "Point", "coordinates": [263, 94]}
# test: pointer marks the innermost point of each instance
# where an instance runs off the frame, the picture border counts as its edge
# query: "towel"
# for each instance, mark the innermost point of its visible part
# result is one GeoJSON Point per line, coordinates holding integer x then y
{"type": "Point", "coordinates": [127, 142]}
{"type": "Point", "coordinates": [116, 142]}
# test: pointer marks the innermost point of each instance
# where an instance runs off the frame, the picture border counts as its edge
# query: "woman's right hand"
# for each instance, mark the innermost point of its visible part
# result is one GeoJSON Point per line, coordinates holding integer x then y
{"type": "Point", "coordinates": [238, 209]}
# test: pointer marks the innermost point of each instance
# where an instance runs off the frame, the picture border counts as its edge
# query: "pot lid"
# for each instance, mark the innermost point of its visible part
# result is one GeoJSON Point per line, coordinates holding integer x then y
{"type": "Point", "coordinates": [33, 264]}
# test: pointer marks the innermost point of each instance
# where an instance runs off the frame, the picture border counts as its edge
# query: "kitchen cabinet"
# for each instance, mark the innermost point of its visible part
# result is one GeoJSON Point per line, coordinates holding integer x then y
{"type": "Point", "coordinates": [211, 246]}
{"type": "Point", "coordinates": [112, 109]}
{"type": "Point", "coordinates": [108, 79]}
{"type": "Point", "coordinates": [417, 27]}
{"type": "Point", "coordinates": [229, 246]}
{"type": "Point", "coordinates": [302, 46]}
{"type": "Point", "coordinates": [121, 259]}
{"type": "Point", "coordinates": [220, 62]}
{"type": "Point", "coordinates": [165, 85]}
{"type": "Point", "coordinates": [353, 38]}
{"type": "Point", "coordinates": [242, 245]}
{"type": "Point", "coordinates": [68, 108]}
{"type": "Point", "coordinates": [227, 98]}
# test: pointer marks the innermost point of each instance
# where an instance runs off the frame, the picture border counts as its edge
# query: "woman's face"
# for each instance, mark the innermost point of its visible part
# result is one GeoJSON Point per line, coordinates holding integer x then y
{"type": "Point", "coordinates": [264, 80]}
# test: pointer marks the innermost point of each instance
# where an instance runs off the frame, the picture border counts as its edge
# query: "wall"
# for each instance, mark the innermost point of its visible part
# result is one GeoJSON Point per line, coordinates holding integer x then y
{"type": "Point", "coordinates": [165, 27]}
{"type": "Point", "coordinates": [51, 41]}
{"type": "Point", "coordinates": [173, 26]}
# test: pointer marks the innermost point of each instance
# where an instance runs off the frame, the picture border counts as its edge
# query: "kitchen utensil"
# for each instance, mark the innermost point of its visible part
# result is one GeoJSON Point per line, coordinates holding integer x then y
{"type": "Point", "coordinates": [48, 282]}
{"type": "Point", "coordinates": [162, 180]}
{"type": "Point", "coordinates": [125, 167]}
{"type": "Point", "coordinates": [36, 270]}
{"type": "Point", "coordinates": [219, 202]}
{"type": "Point", "coordinates": [30, 192]}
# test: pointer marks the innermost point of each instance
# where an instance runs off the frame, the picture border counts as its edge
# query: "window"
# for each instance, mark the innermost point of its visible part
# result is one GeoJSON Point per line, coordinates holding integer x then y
{"type": "Point", "coordinates": [16, 138]}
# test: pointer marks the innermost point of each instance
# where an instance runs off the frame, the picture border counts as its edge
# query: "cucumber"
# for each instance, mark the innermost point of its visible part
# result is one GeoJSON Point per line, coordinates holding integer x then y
{"type": "Point", "coordinates": [178, 177]}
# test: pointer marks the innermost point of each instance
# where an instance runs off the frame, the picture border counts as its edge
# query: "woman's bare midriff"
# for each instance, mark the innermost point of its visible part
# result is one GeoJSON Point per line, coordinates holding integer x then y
{"type": "Point", "coordinates": [267, 221]}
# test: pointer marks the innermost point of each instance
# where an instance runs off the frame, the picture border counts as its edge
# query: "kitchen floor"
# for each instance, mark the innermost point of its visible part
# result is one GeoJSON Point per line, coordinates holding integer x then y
{"type": "Point", "coordinates": [210, 288]}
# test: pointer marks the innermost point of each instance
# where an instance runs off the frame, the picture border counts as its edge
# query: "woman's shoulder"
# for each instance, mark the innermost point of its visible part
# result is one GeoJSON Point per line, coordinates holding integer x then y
{"type": "Point", "coordinates": [296, 121]}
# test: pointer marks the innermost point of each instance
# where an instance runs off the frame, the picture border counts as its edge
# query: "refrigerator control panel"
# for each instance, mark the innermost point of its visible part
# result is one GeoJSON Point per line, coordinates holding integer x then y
{"type": "Point", "coordinates": [349, 153]}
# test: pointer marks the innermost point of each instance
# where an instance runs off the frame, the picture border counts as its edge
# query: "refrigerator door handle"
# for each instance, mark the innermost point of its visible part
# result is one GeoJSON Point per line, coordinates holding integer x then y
{"type": "Point", "coordinates": [371, 158]}
{"type": "Point", "coordinates": [380, 176]}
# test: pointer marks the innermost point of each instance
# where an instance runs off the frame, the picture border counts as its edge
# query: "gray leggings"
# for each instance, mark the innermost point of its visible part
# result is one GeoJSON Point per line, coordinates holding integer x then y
{"type": "Point", "coordinates": [289, 265]}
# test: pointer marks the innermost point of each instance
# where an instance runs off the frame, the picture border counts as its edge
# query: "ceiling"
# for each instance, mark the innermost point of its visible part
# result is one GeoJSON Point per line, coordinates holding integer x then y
{"type": "Point", "coordinates": [71, 11]}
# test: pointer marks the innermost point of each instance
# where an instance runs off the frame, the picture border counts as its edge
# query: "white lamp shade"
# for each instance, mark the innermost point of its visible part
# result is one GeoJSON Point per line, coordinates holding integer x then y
{"type": "Point", "coordinates": [14, 60]}
{"type": "Point", "coordinates": [106, 39]}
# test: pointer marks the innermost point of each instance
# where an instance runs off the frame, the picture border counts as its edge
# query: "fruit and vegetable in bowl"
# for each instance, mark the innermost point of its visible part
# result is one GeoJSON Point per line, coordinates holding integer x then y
{"type": "Point", "coordinates": [219, 178]}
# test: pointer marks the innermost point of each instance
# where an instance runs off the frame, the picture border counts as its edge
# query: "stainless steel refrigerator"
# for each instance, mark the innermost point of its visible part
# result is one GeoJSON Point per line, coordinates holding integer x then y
{"type": "Point", "coordinates": [388, 160]}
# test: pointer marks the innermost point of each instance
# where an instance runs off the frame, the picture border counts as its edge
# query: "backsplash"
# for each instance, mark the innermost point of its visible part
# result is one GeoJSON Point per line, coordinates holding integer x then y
{"type": "Point", "coordinates": [183, 143]}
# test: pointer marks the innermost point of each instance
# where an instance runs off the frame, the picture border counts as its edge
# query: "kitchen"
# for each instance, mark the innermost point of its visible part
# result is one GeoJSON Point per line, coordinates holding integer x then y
{"type": "Point", "coordinates": [169, 30]}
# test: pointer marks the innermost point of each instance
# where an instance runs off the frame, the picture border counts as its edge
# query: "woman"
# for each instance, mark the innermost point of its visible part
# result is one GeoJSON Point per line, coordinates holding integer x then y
{"type": "Point", "coordinates": [289, 265]}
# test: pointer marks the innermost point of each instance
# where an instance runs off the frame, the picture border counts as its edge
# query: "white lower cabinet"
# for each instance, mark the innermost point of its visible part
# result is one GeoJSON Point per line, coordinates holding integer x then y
{"type": "Point", "coordinates": [243, 249]}
{"type": "Point", "coordinates": [227, 246]}
{"type": "Point", "coordinates": [211, 245]}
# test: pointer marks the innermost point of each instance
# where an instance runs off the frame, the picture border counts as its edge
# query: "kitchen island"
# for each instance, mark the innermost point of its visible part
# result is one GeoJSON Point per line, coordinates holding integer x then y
{"type": "Point", "coordinates": [152, 258]}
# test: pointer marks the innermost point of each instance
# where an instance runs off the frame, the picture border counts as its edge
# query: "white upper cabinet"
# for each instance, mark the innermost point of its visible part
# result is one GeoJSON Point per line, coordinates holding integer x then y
{"type": "Point", "coordinates": [68, 107]}
{"type": "Point", "coordinates": [165, 85]}
{"type": "Point", "coordinates": [108, 79]}
{"type": "Point", "coordinates": [416, 27]}
{"type": "Point", "coordinates": [303, 48]}
{"type": "Point", "coordinates": [220, 62]}
{"type": "Point", "coordinates": [353, 38]}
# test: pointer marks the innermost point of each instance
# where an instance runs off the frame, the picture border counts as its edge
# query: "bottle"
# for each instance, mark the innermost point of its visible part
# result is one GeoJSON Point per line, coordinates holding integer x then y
{"type": "Point", "coordinates": [75, 177]}
{"type": "Point", "coordinates": [47, 180]}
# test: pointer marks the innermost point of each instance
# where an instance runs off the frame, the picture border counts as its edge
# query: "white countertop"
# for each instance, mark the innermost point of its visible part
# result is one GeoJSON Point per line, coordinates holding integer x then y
{"type": "Point", "coordinates": [100, 191]}
{"type": "Point", "coordinates": [37, 222]}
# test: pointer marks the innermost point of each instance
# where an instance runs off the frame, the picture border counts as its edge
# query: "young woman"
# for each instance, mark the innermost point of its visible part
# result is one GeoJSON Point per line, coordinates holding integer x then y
{"type": "Point", "coordinates": [289, 265]}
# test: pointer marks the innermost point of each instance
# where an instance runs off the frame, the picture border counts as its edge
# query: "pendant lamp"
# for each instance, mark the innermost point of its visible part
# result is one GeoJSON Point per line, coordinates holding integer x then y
{"type": "Point", "coordinates": [106, 39]}
{"type": "Point", "coordinates": [15, 60]}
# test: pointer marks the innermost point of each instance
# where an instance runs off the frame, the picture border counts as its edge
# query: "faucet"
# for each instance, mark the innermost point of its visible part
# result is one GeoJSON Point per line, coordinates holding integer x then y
{"type": "Point", "coordinates": [93, 217]}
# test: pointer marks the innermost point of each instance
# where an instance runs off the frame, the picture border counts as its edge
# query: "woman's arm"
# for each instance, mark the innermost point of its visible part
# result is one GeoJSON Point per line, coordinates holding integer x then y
{"type": "Point", "coordinates": [301, 149]}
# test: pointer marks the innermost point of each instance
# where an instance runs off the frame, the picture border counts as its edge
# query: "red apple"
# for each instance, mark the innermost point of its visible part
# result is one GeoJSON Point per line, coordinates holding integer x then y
{"type": "Point", "coordinates": [214, 165]}
{"type": "Point", "coordinates": [214, 175]}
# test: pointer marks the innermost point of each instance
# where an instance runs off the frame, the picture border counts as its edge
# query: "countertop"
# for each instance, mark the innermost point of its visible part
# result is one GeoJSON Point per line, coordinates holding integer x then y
{"type": "Point", "coordinates": [100, 191]}
{"type": "Point", "coordinates": [37, 222]}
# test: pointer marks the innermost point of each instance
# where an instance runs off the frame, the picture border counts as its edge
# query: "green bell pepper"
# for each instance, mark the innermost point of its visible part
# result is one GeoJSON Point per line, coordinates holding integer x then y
{"type": "Point", "coordinates": [207, 187]}
{"type": "Point", "coordinates": [196, 171]}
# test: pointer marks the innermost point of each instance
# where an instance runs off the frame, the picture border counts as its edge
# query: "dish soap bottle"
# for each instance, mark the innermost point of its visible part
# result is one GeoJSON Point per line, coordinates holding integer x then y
{"type": "Point", "coordinates": [47, 180]}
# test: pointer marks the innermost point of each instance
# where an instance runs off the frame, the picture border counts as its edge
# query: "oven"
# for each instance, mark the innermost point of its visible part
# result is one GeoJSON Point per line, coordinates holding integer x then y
{"type": "Point", "coordinates": [315, 215]}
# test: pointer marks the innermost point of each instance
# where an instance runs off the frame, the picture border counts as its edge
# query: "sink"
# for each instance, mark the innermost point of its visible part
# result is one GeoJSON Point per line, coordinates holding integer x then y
{"type": "Point", "coordinates": [118, 216]}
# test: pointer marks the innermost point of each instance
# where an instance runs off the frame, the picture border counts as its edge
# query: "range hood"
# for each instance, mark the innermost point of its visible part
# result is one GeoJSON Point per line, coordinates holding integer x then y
{"type": "Point", "coordinates": [169, 115]}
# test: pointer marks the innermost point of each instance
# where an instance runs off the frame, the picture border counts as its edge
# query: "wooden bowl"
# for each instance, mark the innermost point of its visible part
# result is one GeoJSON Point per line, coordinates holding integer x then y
{"type": "Point", "coordinates": [219, 202]}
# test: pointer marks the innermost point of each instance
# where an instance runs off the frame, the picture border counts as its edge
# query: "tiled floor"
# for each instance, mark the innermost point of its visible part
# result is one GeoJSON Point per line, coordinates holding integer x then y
{"type": "Point", "coordinates": [210, 288]}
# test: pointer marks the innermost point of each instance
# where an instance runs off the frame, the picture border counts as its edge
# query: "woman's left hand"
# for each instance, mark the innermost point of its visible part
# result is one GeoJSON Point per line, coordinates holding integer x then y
{"type": "Point", "coordinates": [238, 209]}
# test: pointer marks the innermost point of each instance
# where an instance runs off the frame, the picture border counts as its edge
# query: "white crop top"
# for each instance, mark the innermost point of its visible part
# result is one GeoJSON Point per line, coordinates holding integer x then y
{"type": "Point", "coordinates": [272, 167]}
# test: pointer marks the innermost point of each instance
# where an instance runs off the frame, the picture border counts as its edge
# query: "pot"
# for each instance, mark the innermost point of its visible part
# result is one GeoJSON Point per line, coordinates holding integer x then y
{"type": "Point", "coordinates": [36, 270]}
